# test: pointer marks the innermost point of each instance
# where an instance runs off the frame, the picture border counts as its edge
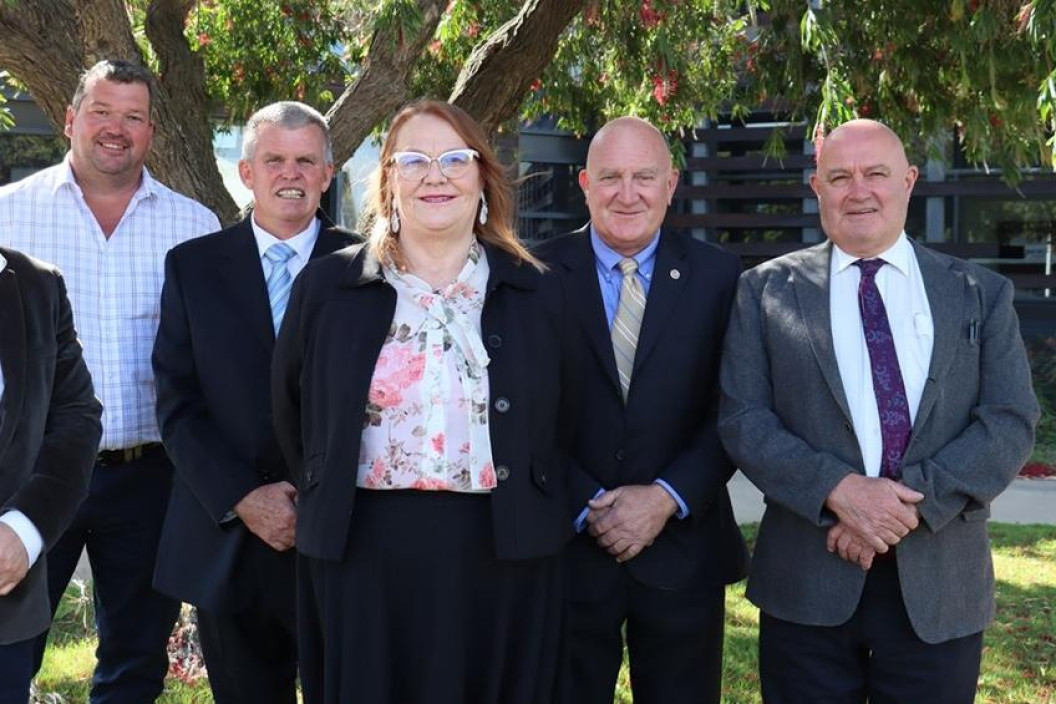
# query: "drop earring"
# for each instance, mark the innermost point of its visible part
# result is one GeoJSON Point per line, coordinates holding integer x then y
{"type": "Point", "coordinates": [483, 209]}
{"type": "Point", "coordinates": [394, 219]}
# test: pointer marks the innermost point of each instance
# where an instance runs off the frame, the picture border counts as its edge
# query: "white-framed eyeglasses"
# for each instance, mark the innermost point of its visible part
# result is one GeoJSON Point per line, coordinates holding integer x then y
{"type": "Point", "coordinates": [415, 165]}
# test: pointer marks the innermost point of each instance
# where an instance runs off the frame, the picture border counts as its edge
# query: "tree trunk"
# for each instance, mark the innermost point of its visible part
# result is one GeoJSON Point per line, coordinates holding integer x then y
{"type": "Point", "coordinates": [493, 82]}
{"type": "Point", "coordinates": [47, 44]}
{"type": "Point", "coordinates": [382, 84]}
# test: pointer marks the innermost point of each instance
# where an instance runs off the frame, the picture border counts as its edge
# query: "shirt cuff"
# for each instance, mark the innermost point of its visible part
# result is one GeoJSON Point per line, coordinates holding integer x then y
{"type": "Point", "coordinates": [26, 532]}
{"type": "Point", "coordinates": [683, 509]}
{"type": "Point", "coordinates": [580, 523]}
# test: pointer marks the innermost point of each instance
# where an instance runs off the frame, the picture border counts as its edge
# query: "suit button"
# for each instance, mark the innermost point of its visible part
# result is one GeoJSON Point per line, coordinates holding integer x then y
{"type": "Point", "coordinates": [502, 404]}
{"type": "Point", "coordinates": [495, 341]}
{"type": "Point", "coordinates": [542, 478]}
{"type": "Point", "coordinates": [619, 455]}
{"type": "Point", "coordinates": [502, 472]}
{"type": "Point", "coordinates": [266, 476]}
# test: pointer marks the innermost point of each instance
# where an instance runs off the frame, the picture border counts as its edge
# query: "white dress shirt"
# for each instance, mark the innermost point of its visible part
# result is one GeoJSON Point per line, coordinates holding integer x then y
{"type": "Point", "coordinates": [16, 520]}
{"type": "Point", "coordinates": [909, 314]}
{"type": "Point", "coordinates": [114, 284]}
{"type": "Point", "coordinates": [302, 244]}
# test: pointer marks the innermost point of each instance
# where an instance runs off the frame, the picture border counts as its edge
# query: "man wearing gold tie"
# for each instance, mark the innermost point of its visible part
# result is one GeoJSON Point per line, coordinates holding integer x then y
{"type": "Point", "coordinates": [656, 541]}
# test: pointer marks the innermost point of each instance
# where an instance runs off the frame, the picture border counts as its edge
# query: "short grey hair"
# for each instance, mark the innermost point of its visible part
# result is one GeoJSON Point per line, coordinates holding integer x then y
{"type": "Point", "coordinates": [289, 115]}
{"type": "Point", "coordinates": [118, 71]}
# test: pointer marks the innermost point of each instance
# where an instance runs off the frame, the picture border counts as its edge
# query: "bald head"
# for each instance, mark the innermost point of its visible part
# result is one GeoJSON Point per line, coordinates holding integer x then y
{"type": "Point", "coordinates": [628, 184]}
{"type": "Point", "coordinates": [863, 183]}
{"type": "Point", "coordinates": [628, 128]}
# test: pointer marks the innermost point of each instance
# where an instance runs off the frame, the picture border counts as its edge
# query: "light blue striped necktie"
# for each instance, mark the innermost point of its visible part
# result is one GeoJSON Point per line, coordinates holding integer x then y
{"type": "Point", "coordinates": [279, 280]}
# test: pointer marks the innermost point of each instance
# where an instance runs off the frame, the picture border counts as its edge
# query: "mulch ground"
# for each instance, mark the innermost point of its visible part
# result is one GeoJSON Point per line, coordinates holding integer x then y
{"type": "Point", "coordinates": [1037, 470]}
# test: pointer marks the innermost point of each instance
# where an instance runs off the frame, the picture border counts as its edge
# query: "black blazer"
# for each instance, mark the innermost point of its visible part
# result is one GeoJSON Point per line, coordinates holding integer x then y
{"type": "Point", "coordinates": [212, 364]}
{"type": "Point", "coordinates": [339, 315]}
{"type": "Point", "coordinates": [49, 424]}
{"type": "Point", "coordinates": [667, 429]}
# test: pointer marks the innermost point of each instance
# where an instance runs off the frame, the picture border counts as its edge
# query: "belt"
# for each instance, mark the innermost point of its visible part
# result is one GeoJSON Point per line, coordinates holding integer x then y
{"type": "Point", "coordinates": [112, 458]}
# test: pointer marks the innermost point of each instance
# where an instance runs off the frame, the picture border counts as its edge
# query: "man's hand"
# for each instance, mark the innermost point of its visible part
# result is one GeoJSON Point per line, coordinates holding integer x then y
{"type": "Point", "coordinates": [850, 546]}
{"type": "Point", "coordinates": [627, 519]}
{"type": "Point", "coordinates": [14, 560]}
{"type": "Point", "coordinates": [270, 513]}
{"type": "Point", "coordinates": [878, 510]}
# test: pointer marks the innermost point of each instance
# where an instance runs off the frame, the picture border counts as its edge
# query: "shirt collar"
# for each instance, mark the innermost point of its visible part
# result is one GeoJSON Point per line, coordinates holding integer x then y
{"type": "Point", "coordinates": [897, 255]}
{"type": "Point", "coordinates": [301, 243]}
{"type": "Point", "coordinates": [65, 177]}
{"type": "Point", "coordinates": [608, 259]}
{"type": "Point", "coordinates": [3, 262]}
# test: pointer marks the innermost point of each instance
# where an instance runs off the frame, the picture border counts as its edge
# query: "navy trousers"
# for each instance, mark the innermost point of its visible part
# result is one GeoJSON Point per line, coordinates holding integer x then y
{"type": "Point", "coordinates": [875, 656]}
{"type": "Point", "coordinates": [119, 524]}
{"type": "Point", "coordinates": [16, 671]}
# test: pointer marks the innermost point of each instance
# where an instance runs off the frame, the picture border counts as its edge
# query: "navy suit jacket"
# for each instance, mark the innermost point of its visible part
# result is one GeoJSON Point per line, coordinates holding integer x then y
{"type": "Point", "coordinates": [212, 363]}
{"type": "Point", "coordinates": [49, 424]}
{"type": "Point", "coordinates": [667, 429]}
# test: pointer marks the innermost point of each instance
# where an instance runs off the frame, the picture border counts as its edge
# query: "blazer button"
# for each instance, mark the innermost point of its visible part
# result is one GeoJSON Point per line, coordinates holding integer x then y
{"type": "Point", "coordinates": [619, 455]}
{"type": "Point", "coordinates": [502, 404]}
{"type": "Point", "coordinates": [502, 472]}
{"type": "Point", "coordinates": [495, 341]}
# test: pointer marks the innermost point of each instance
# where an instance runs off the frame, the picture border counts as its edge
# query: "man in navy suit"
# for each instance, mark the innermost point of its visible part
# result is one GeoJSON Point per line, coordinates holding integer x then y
{"type": "Point", "coordinates": [656, 539]}
{"type": "Point", "coordinates": [226, 542]}
{"type": "Point", "coordinates": [49, 434]}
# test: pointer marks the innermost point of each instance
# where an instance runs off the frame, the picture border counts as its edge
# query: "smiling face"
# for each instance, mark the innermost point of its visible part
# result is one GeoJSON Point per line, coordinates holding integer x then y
{"type": "Point", "coordinates": [110, 132]}
{"type": "Point", "coordinates": [434, 204]}
{"type": "Point", "coordinates": [288, 175]}
{"type": "Point", "coordinates": [863, 183]}
{"type": "Point", "coordinates": [628, 184]}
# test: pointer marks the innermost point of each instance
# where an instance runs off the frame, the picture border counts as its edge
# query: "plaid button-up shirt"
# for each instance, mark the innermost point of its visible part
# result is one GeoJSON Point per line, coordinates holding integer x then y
{"type": "Point", "coordinates": [114, 284]}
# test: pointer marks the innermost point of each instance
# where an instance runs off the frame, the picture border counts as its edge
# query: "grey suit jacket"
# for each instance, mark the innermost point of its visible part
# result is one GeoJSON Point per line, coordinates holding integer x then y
{"type": "Point", "coordinates": [784, 420]}
{"type": "Point", "coordinates": [49, 424]}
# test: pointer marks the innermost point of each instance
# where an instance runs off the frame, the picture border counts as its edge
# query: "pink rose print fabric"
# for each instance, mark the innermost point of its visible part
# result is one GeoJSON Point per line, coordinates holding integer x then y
{"type": "Point", "coordinates": [426, 421]}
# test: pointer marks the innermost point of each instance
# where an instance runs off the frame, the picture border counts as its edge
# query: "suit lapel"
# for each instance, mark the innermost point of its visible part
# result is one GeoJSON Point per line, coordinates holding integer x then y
{"type": "Point", "coordinates": [811, 284]}
{"type": "Point", "coordinates": [12, 355]}
{"type": "Point", "coordinates": [944, 288]}
{"type": "Point", "coordinates": [586, 292]}
{"type": "Point", "coordinates": [241, 271]}
{"type": "Point", "coordinates": [664, 291]}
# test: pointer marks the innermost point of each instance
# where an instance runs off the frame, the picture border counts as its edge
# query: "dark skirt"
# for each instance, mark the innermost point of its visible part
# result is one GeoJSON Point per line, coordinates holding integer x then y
{"type": "Point", "coordinates": [421, 611]}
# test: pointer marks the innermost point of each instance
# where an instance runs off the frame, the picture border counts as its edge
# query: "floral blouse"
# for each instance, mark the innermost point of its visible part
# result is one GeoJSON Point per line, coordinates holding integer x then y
{"type": "Point", "coordinates": [426, 424]}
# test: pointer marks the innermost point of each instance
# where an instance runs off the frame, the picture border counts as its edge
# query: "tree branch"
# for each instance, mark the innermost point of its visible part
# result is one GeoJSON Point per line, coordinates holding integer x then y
{"type": "Point", "coordinates": [106, 31]}
{"type": "Point", "coordinates": [493, 82]}
{"type": "Point", "coordinates": [42, 48]}
{"type": "Point", "coordinates": [382, 86]}
{"type": "Point", "coordinates": [184, 132]}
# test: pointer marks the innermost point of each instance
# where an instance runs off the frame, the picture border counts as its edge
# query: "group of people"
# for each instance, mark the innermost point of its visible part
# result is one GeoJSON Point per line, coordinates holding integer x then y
{"type": "Point", "coordinates": [433, 465]}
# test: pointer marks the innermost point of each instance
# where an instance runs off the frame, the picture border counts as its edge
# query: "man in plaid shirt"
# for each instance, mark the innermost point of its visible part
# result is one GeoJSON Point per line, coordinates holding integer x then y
{"type": "Point", "coordinates": [107, 224]}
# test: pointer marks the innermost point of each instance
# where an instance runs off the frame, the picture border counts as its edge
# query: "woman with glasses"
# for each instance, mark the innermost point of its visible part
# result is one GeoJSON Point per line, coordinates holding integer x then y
{"type": "Point", "coordinates": [416, 390]}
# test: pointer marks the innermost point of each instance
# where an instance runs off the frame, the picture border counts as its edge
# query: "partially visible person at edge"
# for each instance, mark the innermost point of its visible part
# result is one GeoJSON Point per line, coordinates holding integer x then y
{"type": "Point", "coordinates": [657, 541]}
{"type": "Point", "coordinates": [879, 395]}
{"type": "Point", "coordinates": [107, 224]}
{"type": "Point", "coordinates": [415, 398]}
{"type": "Point", "coordinates": [49, 434]}
{"type": "Point", "coordinates": [226, 542]}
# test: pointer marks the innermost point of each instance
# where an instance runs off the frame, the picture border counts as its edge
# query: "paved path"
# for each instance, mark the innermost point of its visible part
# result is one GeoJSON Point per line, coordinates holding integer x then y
{"type": "Point", "coordinates": [1026, 501]}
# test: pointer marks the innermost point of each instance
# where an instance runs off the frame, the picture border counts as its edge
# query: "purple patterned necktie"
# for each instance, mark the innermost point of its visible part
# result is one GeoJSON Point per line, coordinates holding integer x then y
{"type": "Point", "coordinates": [895, 426]}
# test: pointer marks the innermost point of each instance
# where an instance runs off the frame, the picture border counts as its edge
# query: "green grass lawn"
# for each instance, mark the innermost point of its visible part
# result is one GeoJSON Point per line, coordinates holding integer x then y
{"type": "Point", "coordinates": [1019, 661]}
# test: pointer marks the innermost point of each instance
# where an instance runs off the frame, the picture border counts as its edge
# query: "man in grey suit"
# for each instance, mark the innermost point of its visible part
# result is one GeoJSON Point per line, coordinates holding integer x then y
{"type": "Point", "coordinates": [49, 433]}
{"type": "Point", "coordinates": [878, 393]}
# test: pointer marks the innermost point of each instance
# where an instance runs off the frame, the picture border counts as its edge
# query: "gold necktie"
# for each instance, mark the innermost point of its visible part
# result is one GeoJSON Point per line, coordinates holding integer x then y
{"type": "Point", "coordinates": [627, 323]}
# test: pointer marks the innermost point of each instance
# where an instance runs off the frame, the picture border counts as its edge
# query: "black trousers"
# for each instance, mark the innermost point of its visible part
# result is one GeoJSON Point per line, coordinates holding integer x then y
{"type": "Point", "coordinates": [119, 524]}
{"type": "Point", "coordinates": [16, 671]}
{"type": "Point", "coordinates": [674, 640]}
{"type": "Point", "coordinates": [251, 655]}
{"type": "Point", "coordinates": [875, 656]}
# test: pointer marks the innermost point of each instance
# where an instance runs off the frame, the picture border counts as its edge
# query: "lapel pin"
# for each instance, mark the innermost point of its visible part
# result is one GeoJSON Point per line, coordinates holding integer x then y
{"type": "Point", "coordinates": [675, 274]}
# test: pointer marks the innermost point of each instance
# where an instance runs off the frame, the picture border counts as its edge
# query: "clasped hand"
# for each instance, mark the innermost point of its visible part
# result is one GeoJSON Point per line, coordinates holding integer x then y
{"type": "Point", "coordinates": [14, 561]}
{"type": "Point", "coordinates": [627, 519]}
{"type": "Point", "coordinates": [270, 513]}
{"type": "Point", "coordinates": [875, 514]}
